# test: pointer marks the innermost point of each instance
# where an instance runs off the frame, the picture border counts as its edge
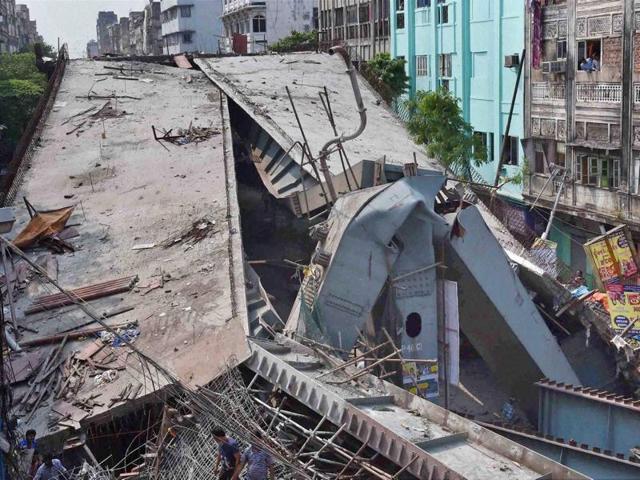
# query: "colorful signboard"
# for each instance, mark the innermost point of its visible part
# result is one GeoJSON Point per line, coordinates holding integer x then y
{"type": "Point", "coordinates": [613, 257]}
{"type": "Point", "coordinates": [421, 379]}
{"type": "Point", "coordinates": [624, 307]}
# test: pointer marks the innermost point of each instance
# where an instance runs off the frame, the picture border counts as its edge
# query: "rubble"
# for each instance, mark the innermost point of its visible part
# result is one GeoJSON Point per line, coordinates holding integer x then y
{"type": "Point", "coordinates": [366, 376]}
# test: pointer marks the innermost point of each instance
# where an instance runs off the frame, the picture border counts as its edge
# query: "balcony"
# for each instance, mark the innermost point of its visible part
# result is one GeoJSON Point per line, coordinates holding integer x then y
{"type": "Point", "coordinates": [636, 93]}
{"type": "Point", "coordinates": [599, 92]}
{"type": "Point", "coordinates": [236, 5]}
{"type": "Point", "coordinates": [544, 91]}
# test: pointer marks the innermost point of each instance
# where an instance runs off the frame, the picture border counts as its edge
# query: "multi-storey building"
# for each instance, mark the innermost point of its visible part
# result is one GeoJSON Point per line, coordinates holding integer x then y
{"type": "Point", "coordinates": [125, 45]}
{"type": "Point", "coordinates": [362, 26]}
{"type": "Point", "coordinates": [105, 19]}
{"type": "Point", "coordinates": [113, 34]}
{"type": "Point", "coordinates": [191, 25]}
{"type": "Point", "coordinates": [152, 32]}
{"type": "Point", "coordinates": [92, 49]}
{"type": "Point", "coordinates": [26, 28]}
{"type": "Point", "coordinates": [473, 49]}
{"type": "Point", "coordinates": [8, 28]}
{"type": "Point", "coordinates": [583, 118]}
{"type": "Point", "coordinates": [17, 30]}
{"type": "Point", "coordinates": [136, 33]}
{"type": "Point", "coordinates": [251, 26]}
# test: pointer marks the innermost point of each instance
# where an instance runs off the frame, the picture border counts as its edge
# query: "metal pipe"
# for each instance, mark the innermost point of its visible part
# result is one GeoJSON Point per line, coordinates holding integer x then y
{"type": "Point", "coordinates": [362, 111]}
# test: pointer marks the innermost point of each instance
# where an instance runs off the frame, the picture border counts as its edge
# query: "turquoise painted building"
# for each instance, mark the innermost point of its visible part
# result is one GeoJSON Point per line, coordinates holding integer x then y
{"type": "Point", "coordinates": [461, 45]}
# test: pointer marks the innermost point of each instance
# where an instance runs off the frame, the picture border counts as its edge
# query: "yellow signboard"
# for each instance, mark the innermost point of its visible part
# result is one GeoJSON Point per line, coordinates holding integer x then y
{"type": "Point", "coordinates": [612, 257]}
{"type": "Point", "coordinates": [624, 308]}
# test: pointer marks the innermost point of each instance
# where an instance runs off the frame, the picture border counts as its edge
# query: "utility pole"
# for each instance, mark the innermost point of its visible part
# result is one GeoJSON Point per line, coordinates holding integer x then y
{"type": "Point", "coordinates": [555, 206]}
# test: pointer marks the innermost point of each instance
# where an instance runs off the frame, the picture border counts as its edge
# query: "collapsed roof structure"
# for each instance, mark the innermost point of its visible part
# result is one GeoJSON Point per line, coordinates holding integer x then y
{"type": "Point", "coordinates": [147, 160]}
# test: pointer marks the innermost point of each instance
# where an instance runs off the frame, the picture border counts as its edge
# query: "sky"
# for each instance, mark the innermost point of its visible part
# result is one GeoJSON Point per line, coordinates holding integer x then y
{"type": "Point", "coordinates": [74, 21]}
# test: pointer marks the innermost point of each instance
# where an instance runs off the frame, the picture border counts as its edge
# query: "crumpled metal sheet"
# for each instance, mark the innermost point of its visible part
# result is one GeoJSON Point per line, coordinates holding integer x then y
{"type": "Point", "coordinates": [43, 225]}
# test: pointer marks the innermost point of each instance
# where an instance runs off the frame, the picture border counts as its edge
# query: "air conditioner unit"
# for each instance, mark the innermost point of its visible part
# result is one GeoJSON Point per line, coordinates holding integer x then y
{"type": "Point", "coordinates": [558, 66]}
{"type": "Point", "coordinates": [511, 61]}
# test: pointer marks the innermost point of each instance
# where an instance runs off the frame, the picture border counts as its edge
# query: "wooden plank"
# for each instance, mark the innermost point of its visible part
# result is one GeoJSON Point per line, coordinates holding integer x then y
{"type": "Point", "coordinates": [182, 61]}
{"type": "Point", "coordinates": [90, 350]}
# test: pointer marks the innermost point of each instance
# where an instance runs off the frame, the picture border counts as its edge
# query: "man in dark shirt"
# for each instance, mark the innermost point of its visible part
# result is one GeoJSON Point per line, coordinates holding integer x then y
{"type": "Point", "coordinates": [228, 458]}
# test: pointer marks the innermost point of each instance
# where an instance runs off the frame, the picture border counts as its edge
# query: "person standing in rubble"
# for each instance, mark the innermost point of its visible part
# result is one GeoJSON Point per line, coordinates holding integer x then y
{"type": "Point", "coordinates": [259, 463]}
{"type": "Point", "coordinates": [28, 447]}
{"type": "Point", "coordinates": [51, 469]}
{"type": "Point", "coordinates": [228, 459]}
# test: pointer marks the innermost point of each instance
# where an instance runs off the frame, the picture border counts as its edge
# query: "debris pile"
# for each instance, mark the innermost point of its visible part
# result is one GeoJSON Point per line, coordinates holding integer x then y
{"type": "Point", "coordinates": [183, 137]}
{"type": "Point", "coordinates": [199, 230]}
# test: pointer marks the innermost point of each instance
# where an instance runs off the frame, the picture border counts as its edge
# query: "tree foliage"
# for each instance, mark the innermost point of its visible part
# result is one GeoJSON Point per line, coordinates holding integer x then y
{"type": "Point", "coordinates": [21, 66]}
{"type": "Point", "coordinates": [435, 120]}
{"type": "Point", "coordinates": [48, 50]}
{"type": "Point", "coordinates": [296, 42]}
{"type": "Point", "coordinates": [21, 86]}
{"type": "Point", "coordinates": [387, 75]}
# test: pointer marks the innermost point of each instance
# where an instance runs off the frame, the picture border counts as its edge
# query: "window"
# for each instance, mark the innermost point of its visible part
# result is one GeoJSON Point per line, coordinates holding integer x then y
{"type": "Point", "coordinates": [561, 50]}
{"type": "Point", "coordinates": [423, 3]}
{"type": "Point", "coordinates": [603, 172]}
{"type": "Point", "coordinates": [259, 24]}
{"type": "Point", "coordinates": [539, 159]}
{"type": "Point", "coordinates": [186, 37]}
{"type": "Point", "coordinates": [185, 11]}
{"type": "Point", "coordinates": [363, 13]}
{"type": "Point", "coordinates": [486, 139]}
{"type": "Point", "coordinates": [444, 65]}
{"type": "Point", "coordinates": [445, 84]}
{"type": "Point", "coordinates": [399, 14]}
{"type": "Point", "coordinates": [589, 54]}
{"type": "Point", "coordinates": [339, 17]}
{"type": "Point", "coordinates": [352, 15]}
{"type": "Point", "coordinates": [511, 151]}
{"type": "Point", "coordinates": [422, 66]}
{"type": "Point", "coordinates": [442, 14]}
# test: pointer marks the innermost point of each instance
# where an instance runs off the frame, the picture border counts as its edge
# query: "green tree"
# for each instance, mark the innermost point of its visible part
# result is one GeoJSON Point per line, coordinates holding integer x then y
{"type": "Point", "coordinates": [435, 120]}
{"type": "Point", "coordinates": [21, 86]}
{"type": "Point", "coordinates": [20, 66]}
{"type": "Point", "coordinates": [296, 42]}
{"type": "Point", "coordinates": [48, 50]}
{"type": "Point", "coordinates": [387, 75]}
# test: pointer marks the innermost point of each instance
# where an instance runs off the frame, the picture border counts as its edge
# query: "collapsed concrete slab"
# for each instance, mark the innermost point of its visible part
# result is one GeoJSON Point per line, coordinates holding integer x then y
{"type": "Point", "coordinates": [497, 314]}
{"type": "Point", "coordinates": [291, 105]}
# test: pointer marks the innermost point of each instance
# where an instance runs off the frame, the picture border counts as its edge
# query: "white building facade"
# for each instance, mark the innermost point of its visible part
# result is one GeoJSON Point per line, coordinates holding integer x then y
{"type": "Point", "coordinates": [191, 26]}
{"type": "Point", "coordinates": [251, 26]}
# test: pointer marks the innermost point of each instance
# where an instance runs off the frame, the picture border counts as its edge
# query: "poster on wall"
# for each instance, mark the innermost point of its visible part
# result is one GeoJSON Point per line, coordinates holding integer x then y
{"type": "Point", "coordinates": [612, 256]}
{"type": "Point", "coordinates": [421, 379]}
{"type": "Point", "coordinates": [624, 307]}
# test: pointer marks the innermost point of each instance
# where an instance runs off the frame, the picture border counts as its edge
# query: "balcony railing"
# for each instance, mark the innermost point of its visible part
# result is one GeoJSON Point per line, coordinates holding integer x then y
{"type": "Point", "coordinates": [599, 92]}
{"type": "Point", "coordinates": [636, 92]}
{"type": "Point", "coordinates": [548, 91]}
